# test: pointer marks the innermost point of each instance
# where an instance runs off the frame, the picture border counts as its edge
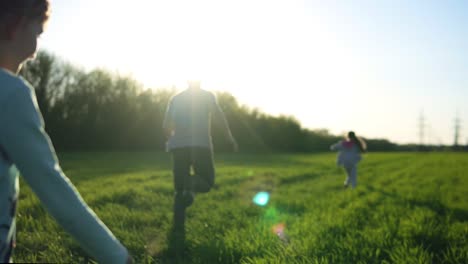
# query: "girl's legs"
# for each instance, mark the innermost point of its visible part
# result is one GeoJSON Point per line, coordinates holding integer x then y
{"type": "Point", "coordinates": [351, 173]}
{"type": "Point", "coordinates": [354, 176]}
{"type": "Point", "coordinates": [346, 182]}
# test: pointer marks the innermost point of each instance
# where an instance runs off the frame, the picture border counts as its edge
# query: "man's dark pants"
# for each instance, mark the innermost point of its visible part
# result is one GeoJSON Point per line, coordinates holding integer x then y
{"type": "Point", "coordinates": [184, 159]}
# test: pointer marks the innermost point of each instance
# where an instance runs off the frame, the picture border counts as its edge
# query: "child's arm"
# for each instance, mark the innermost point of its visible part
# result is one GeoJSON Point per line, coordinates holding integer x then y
{"type": "Point", "coordinates": [28, 146]}
{"type": "Point", "coordinates": [337, 146]}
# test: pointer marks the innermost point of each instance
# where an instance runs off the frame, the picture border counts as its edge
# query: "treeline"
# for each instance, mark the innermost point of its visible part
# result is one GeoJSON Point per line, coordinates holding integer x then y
{"type": "Point", "coordinates": [101, 110]}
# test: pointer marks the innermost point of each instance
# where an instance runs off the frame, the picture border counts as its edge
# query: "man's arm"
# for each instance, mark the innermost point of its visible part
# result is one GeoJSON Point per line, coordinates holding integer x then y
{"type": "Point", "coordinates": [221, 119]}
{"type": "Point", "coordinates": [26, 143]}
{"type": "Point", "coordinates": [168, 123]}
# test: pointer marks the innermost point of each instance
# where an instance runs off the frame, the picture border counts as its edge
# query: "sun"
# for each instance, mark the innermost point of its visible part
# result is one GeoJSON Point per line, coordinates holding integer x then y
{"type": "Point", "coordinates": [256, 50]}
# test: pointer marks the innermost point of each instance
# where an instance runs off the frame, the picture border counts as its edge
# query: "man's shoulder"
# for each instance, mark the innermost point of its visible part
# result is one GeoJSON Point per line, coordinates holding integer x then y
{"type": "Point", "coordinates": [10, 81]}
{"type": "Point", "coordinates": [208, 95]}
{"type": "Point", "coordinates": [12, 85]}
{"type": "Point", "coordinates": [201, 93]}
{"type": "Point", "coordinates": [176, 96]}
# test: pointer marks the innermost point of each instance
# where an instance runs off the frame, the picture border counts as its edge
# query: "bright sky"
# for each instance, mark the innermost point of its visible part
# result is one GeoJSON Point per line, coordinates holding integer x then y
{"type": "Point", "coordinates": [364, 65]}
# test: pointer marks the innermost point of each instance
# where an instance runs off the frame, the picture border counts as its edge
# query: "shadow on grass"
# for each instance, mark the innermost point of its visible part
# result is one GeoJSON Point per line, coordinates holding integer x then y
{"type": "Point", "coordinates": [177, 250]}
{"type": "Point", "coordinates": [299, 178]}
{"type": "Point", "coordinates": [180, 251]}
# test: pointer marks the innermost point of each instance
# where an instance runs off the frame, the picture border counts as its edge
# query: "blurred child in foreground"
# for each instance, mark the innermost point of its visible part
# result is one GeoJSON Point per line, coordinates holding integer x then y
{"type": "Point", "coordinates": [26, 148]}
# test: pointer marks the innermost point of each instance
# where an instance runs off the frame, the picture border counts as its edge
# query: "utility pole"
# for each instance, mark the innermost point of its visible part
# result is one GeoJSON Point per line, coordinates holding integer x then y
{"type": "Point", "coordinates": [457, 131]}
{"type": "Point", "coordinates": [421, 129]}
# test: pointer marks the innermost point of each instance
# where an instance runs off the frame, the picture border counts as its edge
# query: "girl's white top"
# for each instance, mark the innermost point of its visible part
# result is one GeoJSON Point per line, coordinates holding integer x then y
{"type": "Point", "coordinates": [348, 153]}
{"type": "Point", "coordinates": [25, 147]}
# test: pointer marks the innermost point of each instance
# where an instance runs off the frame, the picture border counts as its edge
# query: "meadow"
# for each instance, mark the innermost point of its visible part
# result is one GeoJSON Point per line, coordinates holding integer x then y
{"type": "Point", "coordinates": [407, 208]}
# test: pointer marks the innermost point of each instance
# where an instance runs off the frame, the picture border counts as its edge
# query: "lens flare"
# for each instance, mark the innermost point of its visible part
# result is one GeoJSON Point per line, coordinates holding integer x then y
{"type": "Point", "coordinates": [261, 198]}
{"type": "Point", "coordinates": [279, 230]}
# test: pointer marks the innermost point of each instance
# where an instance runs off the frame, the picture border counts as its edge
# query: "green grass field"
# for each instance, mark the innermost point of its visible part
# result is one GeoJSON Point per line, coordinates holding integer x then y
{"type": "Point", "coordinates": [407, 208]}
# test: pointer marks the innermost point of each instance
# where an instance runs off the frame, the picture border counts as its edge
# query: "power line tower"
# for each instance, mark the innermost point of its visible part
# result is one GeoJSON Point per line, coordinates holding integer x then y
{"type": "Point", "coordinates": [457, 130]}
{"type": "Point", "coordinates": [422, 125]}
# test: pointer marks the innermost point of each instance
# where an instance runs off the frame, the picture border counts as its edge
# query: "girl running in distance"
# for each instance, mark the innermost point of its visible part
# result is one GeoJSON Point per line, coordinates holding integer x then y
{"type": "Point", "coordinates": [25, 146]}
{"type": "Point", "coordinates": [349, 155]}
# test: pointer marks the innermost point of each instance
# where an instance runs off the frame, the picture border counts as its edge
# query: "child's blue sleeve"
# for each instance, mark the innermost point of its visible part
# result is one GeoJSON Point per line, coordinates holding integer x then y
{"type": "Point", "coordinates": [338, 146]}
{"type": "Point", "coordinates": [26, 143]}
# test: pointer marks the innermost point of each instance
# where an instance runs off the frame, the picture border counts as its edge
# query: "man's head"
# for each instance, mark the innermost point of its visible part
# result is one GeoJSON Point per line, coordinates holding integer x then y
{"type": "Point", "coordinates": [21, 24]}
{"type": "Point", "coordinates": [194, 84]}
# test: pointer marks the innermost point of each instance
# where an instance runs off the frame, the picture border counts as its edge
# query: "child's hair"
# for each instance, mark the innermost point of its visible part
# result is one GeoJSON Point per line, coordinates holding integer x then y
{"type": "Point", "coordinates": [358, 141]}
{"type": "Point", "coordinates": [30, 9]}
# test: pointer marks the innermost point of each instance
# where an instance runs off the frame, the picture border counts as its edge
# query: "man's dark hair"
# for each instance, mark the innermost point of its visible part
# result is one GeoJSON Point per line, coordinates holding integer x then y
{"type": "Point", "coordinates": [31, 9]}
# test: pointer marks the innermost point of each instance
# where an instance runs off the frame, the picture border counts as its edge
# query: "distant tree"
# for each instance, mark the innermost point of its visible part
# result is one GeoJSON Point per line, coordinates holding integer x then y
{"type": "Point", "coordinates": [101, 110]}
